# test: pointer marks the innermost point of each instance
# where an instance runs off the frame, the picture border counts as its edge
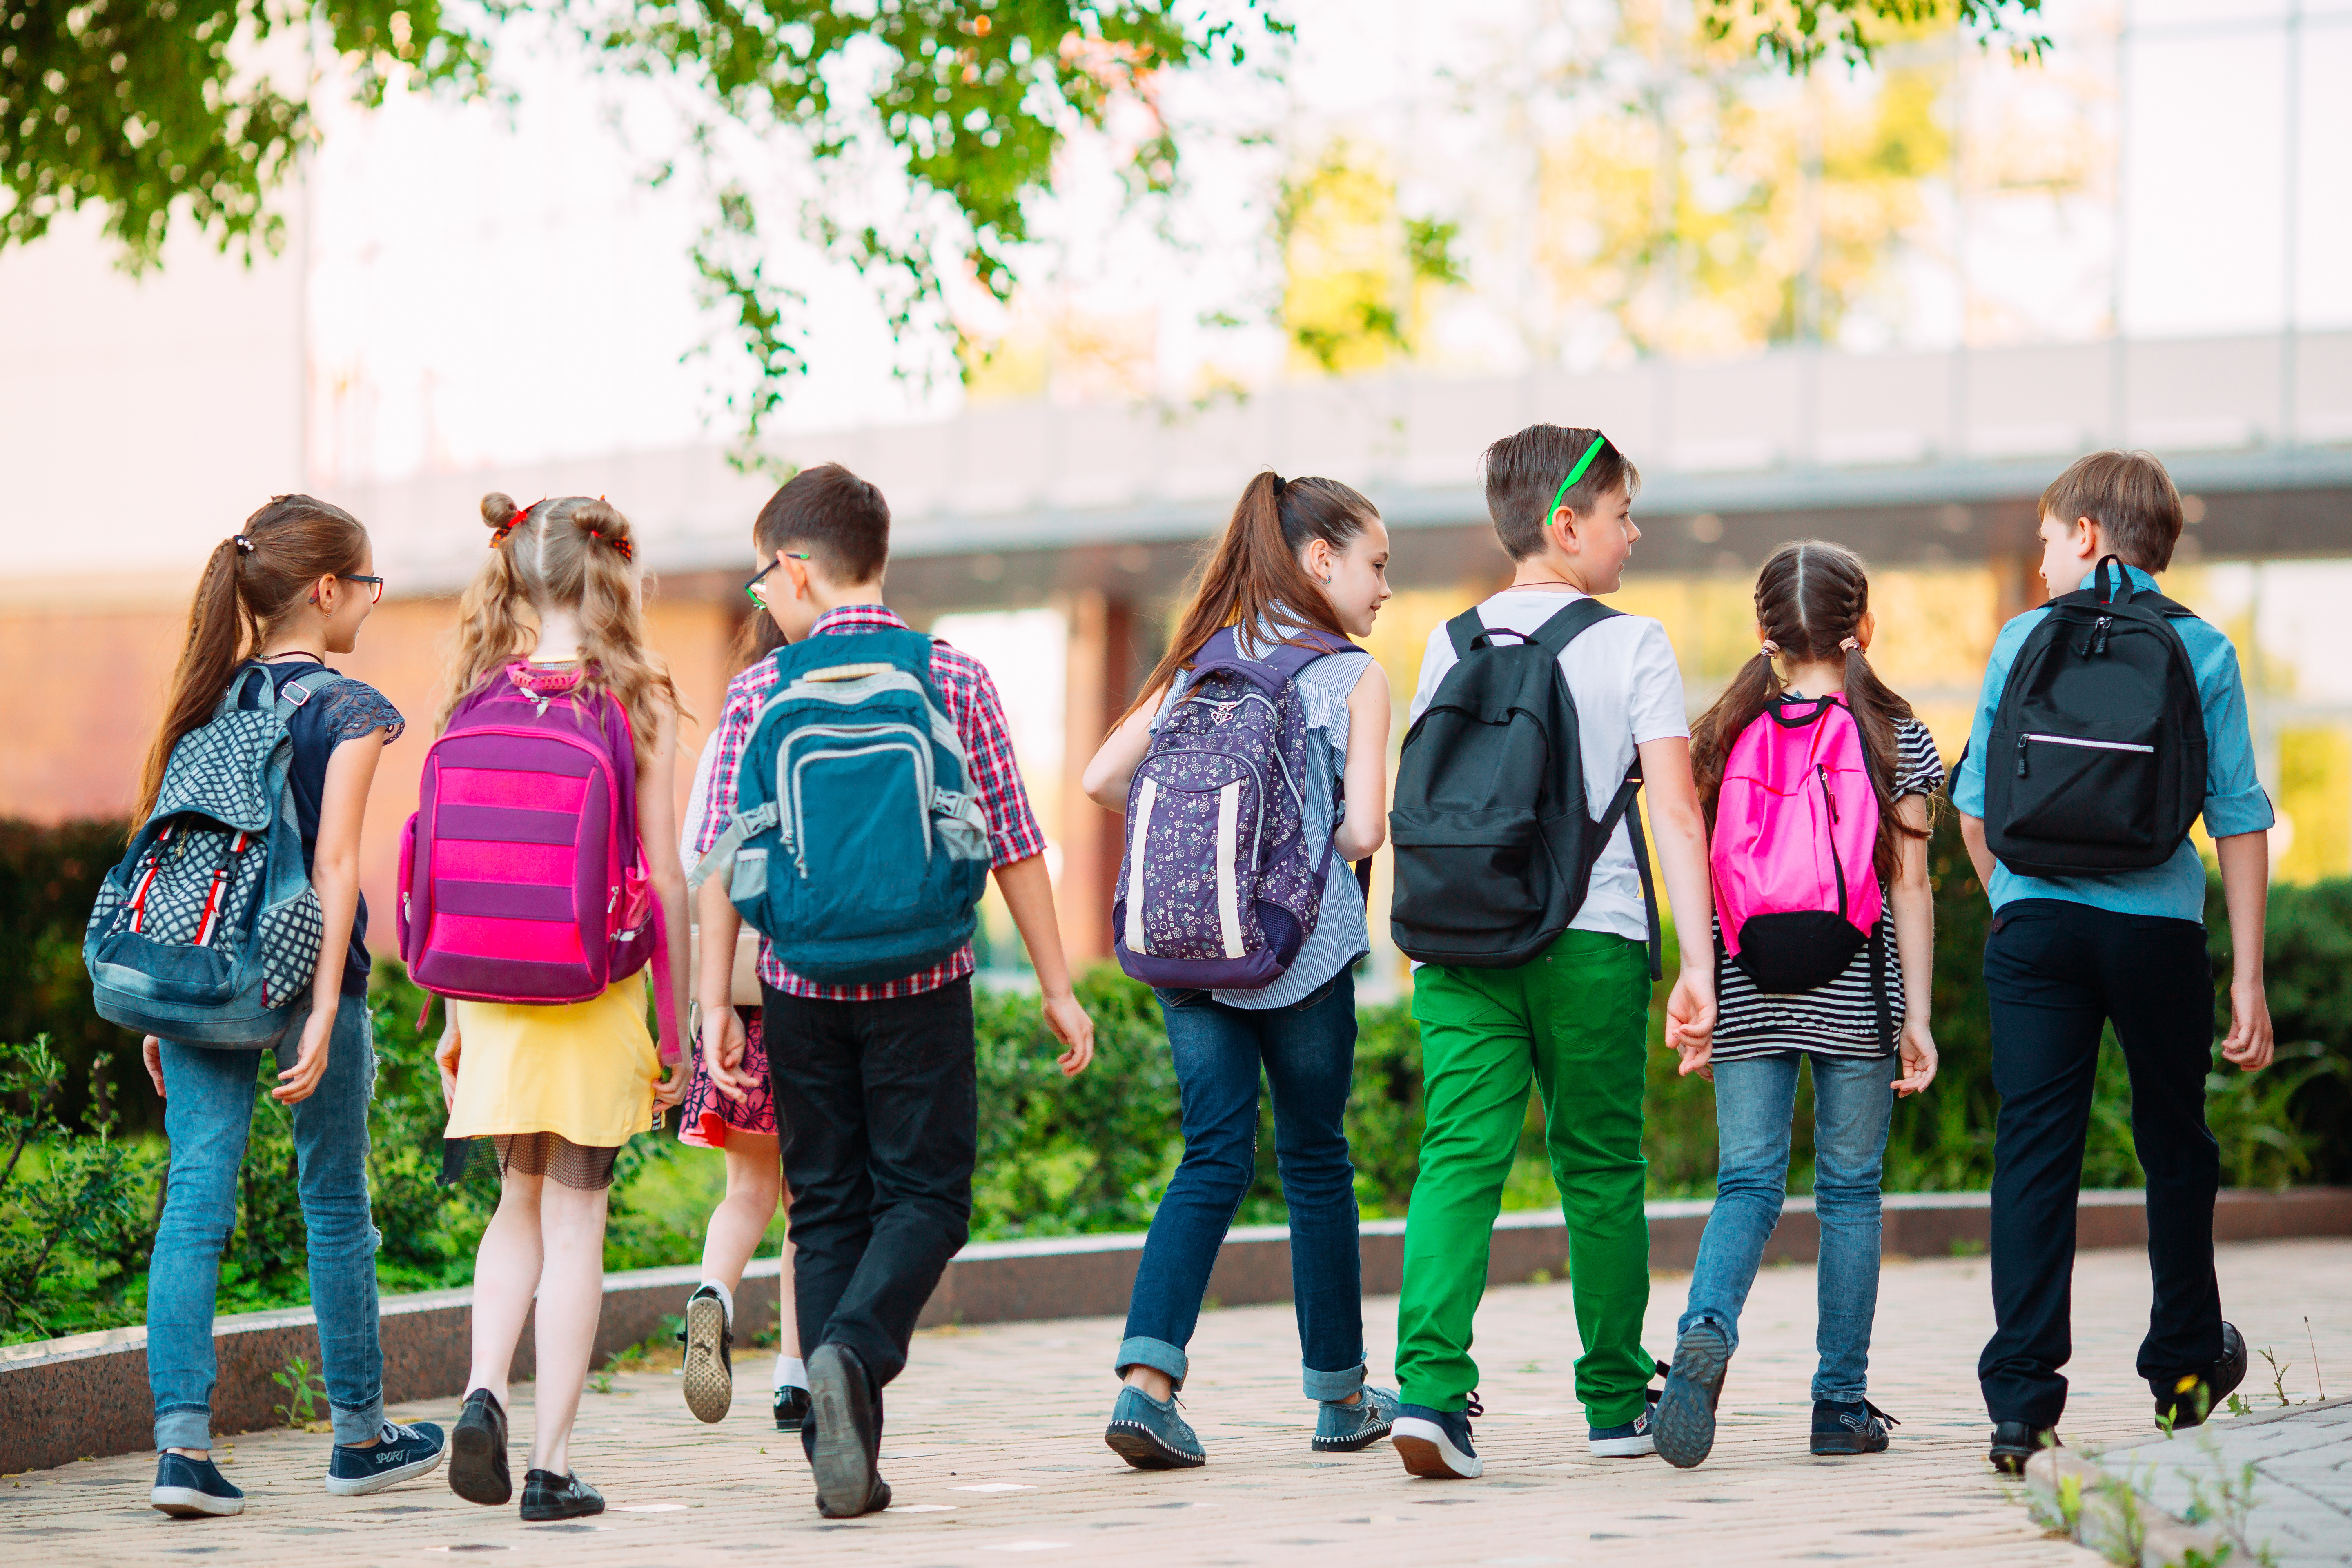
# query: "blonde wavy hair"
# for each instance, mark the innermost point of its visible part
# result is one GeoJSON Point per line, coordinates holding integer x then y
{"type": "Point", "coordinates": [573, 553]}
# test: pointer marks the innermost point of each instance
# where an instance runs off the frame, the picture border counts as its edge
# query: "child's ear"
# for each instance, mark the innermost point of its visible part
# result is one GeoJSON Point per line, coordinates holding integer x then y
{"type": "Point", "coordinates": [1563, 519]}
{"type": "Point", "coordinates": [796, 572]}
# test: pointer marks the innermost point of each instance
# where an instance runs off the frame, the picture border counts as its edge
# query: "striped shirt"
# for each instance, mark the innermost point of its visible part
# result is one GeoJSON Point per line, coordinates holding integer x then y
{"type": "Point", "coordinates": [1841, 1018]}
{"type": "Point", "coordinates": [972, 707]}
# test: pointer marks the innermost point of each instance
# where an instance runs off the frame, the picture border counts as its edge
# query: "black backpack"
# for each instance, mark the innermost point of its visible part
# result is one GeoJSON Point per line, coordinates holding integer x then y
{"type": "Point", "coordinates": [1495, 837]}
{"type": "Point", "coordinates": [2095, 761]}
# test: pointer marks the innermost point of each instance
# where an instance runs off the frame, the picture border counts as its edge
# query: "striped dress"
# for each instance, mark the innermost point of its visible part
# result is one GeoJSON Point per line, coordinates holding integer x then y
{"type": "Point", "coordinates": [1841, 1018]}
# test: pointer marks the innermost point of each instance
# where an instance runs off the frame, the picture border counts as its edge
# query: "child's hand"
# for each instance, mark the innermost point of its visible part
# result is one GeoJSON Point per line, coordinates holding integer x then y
{"type": "Point", "coordinates": [722, 1053]}
{"type": "Point", "coordinates": [2249, 1042]}
{"type": "Point", "coordinates": [296, 1082]}
{"type": "Point", "coordinates": [670, 1087]}
{"type": "Point", "coordinates": [1073, 1028]}
{"type": "Point", "coordinates": [1919, 1053]}
{"type": "Point", "coordinates": [445, 1057]}
{"type": "Point", "coordinates": [150, 1052]}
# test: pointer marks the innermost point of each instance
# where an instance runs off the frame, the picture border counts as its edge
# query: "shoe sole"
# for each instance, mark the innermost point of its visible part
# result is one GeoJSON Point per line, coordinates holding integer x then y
{"type": "Point", "coordinates": [477, 1468]}
{"type": "Point", "coordinates": [1139, 1446]}
{"type": "Point", "coordinates": [364, 1485]}
{"type": "Point", "coordinates": [548, 1515]}
{"type": "Point", "coordinates": [1840, 1445]}
{"type": "Point", "coordinates": [1682, 1426]}
{"type": "Point", "coordinates": [844, 1410]}
{"type": "Point", "coordinates": [2010, 1462]}
{"type": "Point", "coordinates": [1355, 1445]}
{"type": "Point", "coordinates": [710, 1381]}
{"type": "Point", "coordinates": [1426, 1451]}
{"type": "Point", "coordinates": [188, 1503]}
{"type": "Point", "coordinates": [1624, 1448]}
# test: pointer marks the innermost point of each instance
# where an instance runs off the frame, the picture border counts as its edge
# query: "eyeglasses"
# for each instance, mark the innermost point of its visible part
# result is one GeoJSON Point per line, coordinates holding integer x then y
{"type": "Point", "coordinates": [375, 584]}
{"type": "Point", "coordinates": [751, 587]}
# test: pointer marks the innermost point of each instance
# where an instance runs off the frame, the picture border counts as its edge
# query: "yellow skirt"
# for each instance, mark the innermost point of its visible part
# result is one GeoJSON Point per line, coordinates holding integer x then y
{"type": "Point", "coordinates": [585, 1070]}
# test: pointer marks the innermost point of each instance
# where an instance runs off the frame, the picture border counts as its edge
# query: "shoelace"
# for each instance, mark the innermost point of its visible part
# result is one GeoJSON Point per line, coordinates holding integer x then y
{"type": "Point", "coordinates": [1882, 1415]}
{"type": "Point", "coordinates": [1471, 1409]}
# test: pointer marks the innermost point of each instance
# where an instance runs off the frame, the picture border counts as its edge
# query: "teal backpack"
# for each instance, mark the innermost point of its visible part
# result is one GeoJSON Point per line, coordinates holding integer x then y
{"type": "Point", "coordinates": [856, 847]}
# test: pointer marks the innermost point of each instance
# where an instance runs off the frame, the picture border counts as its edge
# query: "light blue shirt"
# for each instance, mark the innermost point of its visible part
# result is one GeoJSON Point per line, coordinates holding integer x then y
{"type": "Point", "coordinates": [2234, 799]}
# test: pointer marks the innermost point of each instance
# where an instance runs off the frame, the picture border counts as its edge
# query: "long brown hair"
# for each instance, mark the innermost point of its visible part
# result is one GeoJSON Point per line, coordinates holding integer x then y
{"type": "Point", "coordinates": [755, 640]}
{"type": "Point", "coordinates": [570, 553]}
{"type": "Point", "coordinates": [251, 583]}
{"type": "Point", "coordinates": [1254, 567]}
{"type": "Point", "coordinates": [1810, 598]}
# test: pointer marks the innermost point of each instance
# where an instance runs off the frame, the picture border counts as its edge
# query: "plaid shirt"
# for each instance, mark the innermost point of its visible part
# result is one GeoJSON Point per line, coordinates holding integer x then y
{"type": "Point", "coordinates": [979, 717]}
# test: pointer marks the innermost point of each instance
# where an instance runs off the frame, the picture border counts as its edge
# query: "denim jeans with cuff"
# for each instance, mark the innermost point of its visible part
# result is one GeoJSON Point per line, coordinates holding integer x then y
{"type": "Point", "coordinates": [1755, 1100]}
{"type": "Point", "coordinates": [209, 1108]}
{"type": "Point", "coordinates": [1307, 1053]}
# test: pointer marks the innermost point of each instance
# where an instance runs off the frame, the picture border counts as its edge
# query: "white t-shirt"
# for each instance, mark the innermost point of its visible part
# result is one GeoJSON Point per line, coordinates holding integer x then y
{"type": "Point", "coordinates": [1628, 689]}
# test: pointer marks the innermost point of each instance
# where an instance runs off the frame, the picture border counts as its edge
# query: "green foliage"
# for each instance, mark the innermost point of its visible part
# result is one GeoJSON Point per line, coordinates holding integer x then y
{"type": "Point", "coordinates": [306, 1393]}
{"type": "Point", "coordinates": [50, 877]}
{"type": "Point", "coordinates": [77, 1210]}
{"type": "Point", "coordinates": [1796, 34]}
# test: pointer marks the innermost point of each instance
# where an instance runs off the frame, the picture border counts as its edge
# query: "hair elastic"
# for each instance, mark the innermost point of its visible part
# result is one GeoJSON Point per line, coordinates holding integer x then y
{"type": "Point", "coordinates": [499, 535]}
{"type": "Point", "coordinates": [244, 545]}
{"type": "Point", "coordinates": [1772, 649]}
{"type": "Point", "coordinates": [1850, 646]}
{"type": "Point", "coordinates": [1575, 474]}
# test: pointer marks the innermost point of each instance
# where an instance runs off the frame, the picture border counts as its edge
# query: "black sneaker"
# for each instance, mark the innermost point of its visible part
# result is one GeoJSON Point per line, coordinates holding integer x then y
{"type": "Point", "coordinates": [791, 1408]}
{"type": "Point", "coordinates": [1683, 1425]}
{"type": "Point", "coordinates": [193, 1488]}
{"type": "Point", "coordinates": [2014, 1442]}
{"type": "Point", "coordinates": [1436, 1443]}
{"type": "Point", "coordinates": [709, 1355]}
{"type": "Point", "coordinates": [546, 1496]}
{"type": "Point", "coordinates": [848, 1435]}
{"type": "Point", "coordinates": [2187, 1400]}
{"type": "Point", "coordinates": [400, 1452]}
{"type": "Point", "coordinates": [478, 1452]}
{"type": "Point", "coordinates": [1850, 1426]}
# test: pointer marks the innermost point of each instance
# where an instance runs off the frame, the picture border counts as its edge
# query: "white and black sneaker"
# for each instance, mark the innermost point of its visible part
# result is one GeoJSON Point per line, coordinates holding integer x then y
{"type": "Point", "coordinates": [193, 1488]}
{"type": "Point", "coordinates": [1436, 1443]}
{"type": "Point", "coordinates": [1628, 1439]}
{"type": "Point", "coordinates": [400, 1453]}
{"type": "Point", "coordinates": [709, 1341]}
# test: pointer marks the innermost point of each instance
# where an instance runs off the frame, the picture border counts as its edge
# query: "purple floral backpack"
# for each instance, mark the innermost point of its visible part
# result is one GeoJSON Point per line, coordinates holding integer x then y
{"type": "Point", "coordinates": [1217, 889]}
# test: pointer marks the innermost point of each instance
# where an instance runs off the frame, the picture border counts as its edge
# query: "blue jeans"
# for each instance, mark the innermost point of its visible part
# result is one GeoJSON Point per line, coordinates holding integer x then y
{"type": "Point", "coordinates": [1755, 1100]}
{"type": "Point", "coordinates": [1308, 1051]}
{"type": "Point", "coordinates": [207, 1115]}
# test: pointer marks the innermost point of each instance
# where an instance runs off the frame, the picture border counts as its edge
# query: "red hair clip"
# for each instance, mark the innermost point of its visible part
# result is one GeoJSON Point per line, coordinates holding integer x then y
{"type": "Point", "coordinates": [628, 551]}
{"type": "Point", "coordinates": [499, 535]}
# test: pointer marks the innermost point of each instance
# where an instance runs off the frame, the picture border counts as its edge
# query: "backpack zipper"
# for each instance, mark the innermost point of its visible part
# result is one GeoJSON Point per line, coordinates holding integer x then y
{"type": "Point", "coordinates": [902, 737]}
{"type": "Point", "coordinates": [1836, 865]}
{"type": "Point", "coordinates": [2078, 741]}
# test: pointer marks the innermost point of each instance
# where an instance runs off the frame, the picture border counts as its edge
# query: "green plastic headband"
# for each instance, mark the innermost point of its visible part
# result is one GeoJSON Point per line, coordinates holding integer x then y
{"type": "Point", "coordinates": [1575, 474]}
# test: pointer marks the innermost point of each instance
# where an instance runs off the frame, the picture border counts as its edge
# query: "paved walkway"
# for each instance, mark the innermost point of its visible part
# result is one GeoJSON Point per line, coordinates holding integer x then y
{"type": "Point", "coordinates": [995, 1450]}
{"type": "Point", "coordinates": [2280, 1480]}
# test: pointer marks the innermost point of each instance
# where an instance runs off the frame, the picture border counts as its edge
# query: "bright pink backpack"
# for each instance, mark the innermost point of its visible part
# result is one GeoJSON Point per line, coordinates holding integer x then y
{"type": "Point", "coordinates": [1796, 827]}
{"type": "Point", "coordinates": [521, 878]}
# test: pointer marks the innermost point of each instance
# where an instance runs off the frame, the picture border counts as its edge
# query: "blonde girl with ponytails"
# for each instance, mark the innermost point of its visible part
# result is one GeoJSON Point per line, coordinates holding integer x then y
{"type": "Point", "coordinates": [557, 610]}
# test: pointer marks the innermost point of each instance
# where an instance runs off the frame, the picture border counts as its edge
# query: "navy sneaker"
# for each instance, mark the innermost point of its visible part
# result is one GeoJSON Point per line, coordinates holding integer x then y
{"type": "Point", "coordinates": [400, 1452]}
{"type": "Point", "coordinates": [548, 1496]}
{"type": "Point", "coordinates": [193, 1488]}
{"type": "Point", "coordinates": [848, 1435]}
{"type": "Point", "coordinates": [2186, 1401]}
{"type": "Point", "coordinates": [1149, 1433]}
{"type": "Point", "coordinates": [1436, 1443]}
{"type": "Point", "coordinates": [2014, 1442]}
{"type": "Point", "coordinates": [791, 1408]}
{"type": "Point", "coordinates": [709, 1343]}
{"type": "Point", "coordinates": [1349, 1429]}
{"type": "Point", "coordinates": [1850, 1426]}
{"type": "Point", "coordinates": [478, 1452]}
{"type": "Point", "coordinates": [1631, 1439]}
{"type": "Point", "coordinates": [1683, 1425]}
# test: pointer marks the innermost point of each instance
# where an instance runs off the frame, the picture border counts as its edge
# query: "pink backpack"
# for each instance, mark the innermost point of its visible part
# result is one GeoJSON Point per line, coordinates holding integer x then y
{"type": "Point", "coordinates": [1795, 828]}
{"type": "Point", "coordinates": [521, 878]}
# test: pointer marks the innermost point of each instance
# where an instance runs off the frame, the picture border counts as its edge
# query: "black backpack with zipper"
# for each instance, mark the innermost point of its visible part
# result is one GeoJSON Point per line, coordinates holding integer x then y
{"type": "Point", "coordinates": [1493, 836]}
{"type": "Point", "coordinates": [2095, 761]}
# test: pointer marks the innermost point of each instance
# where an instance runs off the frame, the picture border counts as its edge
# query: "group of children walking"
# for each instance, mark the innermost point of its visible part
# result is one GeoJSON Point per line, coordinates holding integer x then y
{"type": "Point", "coordinates": [859, 789]}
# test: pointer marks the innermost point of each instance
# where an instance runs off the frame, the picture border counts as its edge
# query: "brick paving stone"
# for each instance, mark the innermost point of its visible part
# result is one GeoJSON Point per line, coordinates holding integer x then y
{"type": "Point", "coordinates": [994, 1448]}
{"type": "Point", "coordinates": [2301, 1495]}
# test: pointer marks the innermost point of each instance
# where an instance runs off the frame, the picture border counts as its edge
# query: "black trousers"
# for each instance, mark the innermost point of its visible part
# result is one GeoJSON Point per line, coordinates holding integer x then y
{"type": "Point", "coordinates": [879, 1104]}
{"type": "Point", "coordinates": [2055, 973]}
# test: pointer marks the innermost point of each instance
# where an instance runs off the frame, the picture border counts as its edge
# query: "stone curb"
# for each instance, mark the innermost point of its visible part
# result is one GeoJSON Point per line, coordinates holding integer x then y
{"type": "Point", "coordinates": [86, 1395]}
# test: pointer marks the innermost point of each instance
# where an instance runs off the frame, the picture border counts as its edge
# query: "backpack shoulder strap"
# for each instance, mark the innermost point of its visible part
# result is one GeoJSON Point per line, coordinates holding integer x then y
{"type": "Point", "coordinates": [1622, 808]}
{"type": "Point", "coordinates": [1466, 631]}
{"type": "Point", "coordinates": [1286, 659]}
{"type": "Point", "coordinates": [297, 692]}
{"type": "Point", "coordinates": [1570, 623]}
{"type": "Point", "coordinates": [239, 682]}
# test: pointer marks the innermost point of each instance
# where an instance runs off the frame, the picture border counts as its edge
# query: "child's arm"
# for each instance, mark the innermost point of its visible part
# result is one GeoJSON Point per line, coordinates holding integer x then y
{"type": "Point", "coordinates": [657, 832]}
{"type": "Point", "coordinates": [1366, 775]}
{"type": "Point", "coordinates": [2245, 885]}
{"type": "Point", "coordinates": [1106, 776]}
{"type": "Point", "coordinates": [1915, 945]}
{"type": "Point", "coordinates": [1029, 894]}
{"type": "Point", "coordinates": [335, 873]}
{"type": "Point", "coordinates": [1678, 828]}
{"type": "Point", "coordinates": [722, 1031]}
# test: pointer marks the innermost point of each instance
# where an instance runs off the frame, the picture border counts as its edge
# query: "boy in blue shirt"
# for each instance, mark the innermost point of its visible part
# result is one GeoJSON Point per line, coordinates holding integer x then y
{"type": "Point", "coordinates": [2067, 955]}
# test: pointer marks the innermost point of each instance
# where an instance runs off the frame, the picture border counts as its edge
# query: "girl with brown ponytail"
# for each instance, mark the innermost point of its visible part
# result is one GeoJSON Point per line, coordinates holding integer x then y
{"type": "Point", "coordinates": [558, 609]}
{"type": "Point", "coordinates": [1813, 629]}
{"type": "Point", "coordinates": [292, 586]}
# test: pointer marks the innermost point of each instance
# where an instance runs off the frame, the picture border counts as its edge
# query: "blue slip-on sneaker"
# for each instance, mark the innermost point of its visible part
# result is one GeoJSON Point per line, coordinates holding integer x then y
{"type": "Point", "coordinates": [1633, 1439]}
{"type": "Point", "coordinates": [1436, 1443]}
{"type": "Point", "coordinates": [1682, 1424]}
{"type": "Point", "coordinates": [400, 1453]}
{"type": "Point", "coordinates": [193, 1488]}
{"type": "Point", "coordinates": [1149, 1433]}
{"type": "Point", "coordinates": [478, 1452]}
{"type": "Point", "coordinates": [1849, 1427]}
{"type": "Point", "coordinates": [1343, 1428]}
{"type": "Point", "coordinates": [710, 1365]}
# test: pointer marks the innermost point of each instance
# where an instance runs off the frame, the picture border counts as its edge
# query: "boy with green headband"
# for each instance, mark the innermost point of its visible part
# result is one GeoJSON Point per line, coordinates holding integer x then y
{"type": "Point", "coordinates": [1564, 1009]}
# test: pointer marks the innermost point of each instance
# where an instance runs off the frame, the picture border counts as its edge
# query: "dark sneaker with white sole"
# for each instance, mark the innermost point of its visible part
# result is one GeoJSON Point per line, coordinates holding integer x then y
{"type": "Point", "coordinates": [709, 1344]}
{"type": "Point", "coordinates": [478, 1452]}
{"type": "Point", "coordinates": [848, 1435]}
{"type": "Point", "coordinates": [1149, 1433]}
{"type": "Point", "coordinates": [401, 1453]}
{"type": "Point", "coordinates": [2014, 1442]}
{"type": "Point", "coordinates": [1682, 1426]}
{"type": "Point", "coordinates": [1341, 1428]}
{"type": "Point", "coordinates": [548, 1496]}
{"type": "Point", "coordinates": [1436, 1443]}
{"type": "Point", "coordinates": [1631, 1439]}
{"type": "Point", "coordinates": [1849, 1427]}
{"type": "Point", "coordinates": [791, 1408]}
{"type": "Point", "coordinates": [2186, 1400]}
{"type": "Point", "coordinates": [193, 1488]}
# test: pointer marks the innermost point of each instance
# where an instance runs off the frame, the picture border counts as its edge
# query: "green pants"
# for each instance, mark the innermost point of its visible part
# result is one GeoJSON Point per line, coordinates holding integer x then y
{"type": "Point", "coordinates": [1576, 1021]}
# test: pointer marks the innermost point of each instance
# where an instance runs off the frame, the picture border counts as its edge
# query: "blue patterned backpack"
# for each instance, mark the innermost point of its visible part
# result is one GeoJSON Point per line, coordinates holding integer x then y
{"type": "Point", "coordinates": [207, 931]}
{"type": "Point", "coordinates": [1217, 889]}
